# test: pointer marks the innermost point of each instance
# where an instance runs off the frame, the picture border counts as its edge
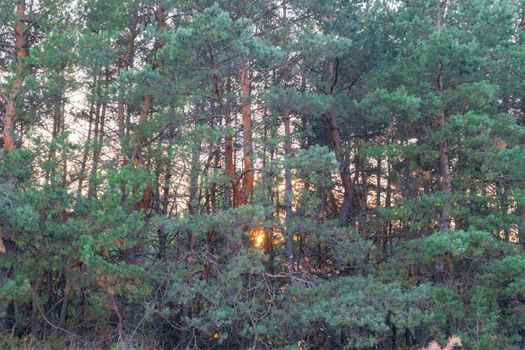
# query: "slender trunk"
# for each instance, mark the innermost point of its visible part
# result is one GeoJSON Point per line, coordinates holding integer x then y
{"type": "Point", "coordinates": [159, 159]}
{"type": "Point", "coordinates": [137, 156]}
{"type": "Point", "coordinates": [344, 171]}
{"type": "Point", "coordinates": [288, 189]}
{"type": "Point", "coordinates": [388, 204]}
{"type": "Point", "coordinates": [127, 62]}
{"type": "Point", "coordinates": [503, 205]}
{"type": "Point", "coordinates": [272, 194]}
{"type": "Point", "coordinates": [65, 300]}
{"type": "Point", "coordinates": [11, 113]}
{"type": "Point", "coordinates": [363, 225]}
{"type": "Point", "coordinates": [379, 228]}
{"type": "Point", "coordinates": [378, 183]}
{"type": "Point", "coordinates": [186, 307]}
{"type": "Point", "coordinates": [305, 144]}
{"type": "Point", "coordinates": [248, 175]}
{"type": "Point", "coordinates": [443, 262]}
{"type": "Point", "coordinates": [444, 164]}
{"type": "Point", "coordinates": [35, 309]}
{"type": "Point", "coordinates": [80, 305]}
{"type": "Point", "coordinates": [335, 136]}
{"type": "Point", "coordinates": [63, 128]}
{"type": "Point", "coordinates": [213, 190]}
{"type": "Point", "coordinates": [446, 186]}
{"type": "Point", "coordinates": [140, 137]}
{"type": "Point", "coordinates": [522, 208]}
{"type": "Point", "coordinates": [229, 202]}
{"type": "Point", "coordinates": [98, 137]}
{"type": "Point", "coordinates": [50, 173]}
{"type": "Point", "coordinates": [303, 208]}
{"type": "Point", "coordinates": [34, 312]}
{"type": "Point", "coordinates": [168, 174]}
{"type": "Point", "coordinates": [83, 164]}
{"type": "Point", "coordinates": [193, 204]}
{"type": "Point", "coordinates": [231, 192]}
{"type": "Point", "coordinates": [114, 305]}
{"type": "Point", "coordinates": [210, 250]}
{"type": "Point", "coordinates": [96, 128]}
{"type": "Point", "coordinates": [264, 159]}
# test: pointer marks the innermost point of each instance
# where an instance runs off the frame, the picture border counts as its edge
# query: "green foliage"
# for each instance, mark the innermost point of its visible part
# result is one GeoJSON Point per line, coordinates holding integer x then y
{"type": "Point", "coordinates": [316, 165]}
{"type": "Point", "coordinates": [122, 225]}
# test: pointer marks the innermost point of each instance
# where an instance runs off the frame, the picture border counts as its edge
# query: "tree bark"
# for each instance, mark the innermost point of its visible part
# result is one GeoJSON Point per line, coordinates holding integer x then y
{"type": "Point", "coordinates": [98, 139]}
{"type": "Point", "coordinates": [248, 174]}
{"type": "Point", "coordinates": [21, 55]}
{"type": "Point", "coordinates": [363, 224]}
{"type": "Point", "coordinates": [83, 164]}
{"type": "Point", "coordinates": [65, 300]}
{"type": "Point", "coordinates": [193, 204]}
{"type": "Point", "coordinates": [140, 139]}
{"type": "Point", "coordinates": [335, 137]}
{"type": "Point", "coordinates": [127, 62]}
{"type": "Point", "coordinates": [11, 114]}
{"type": "Point", "coordinates": [521, 228]}
{"type": "Point", "coordinates": [443, 261]}
{"type": "Point", "coordinates": [344, 171]}
{"type": "Point", "coordinates": [288, 190]}
{"type": "Point", "coordinates": [231, 191]}
{"type": "Point", "coordinates": [444, 164]}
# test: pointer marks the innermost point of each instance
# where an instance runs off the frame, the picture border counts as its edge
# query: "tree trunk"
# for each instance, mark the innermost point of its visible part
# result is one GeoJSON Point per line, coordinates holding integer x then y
{"type": "Point", "coordinates": [65, 300]}
{"type": "Point", "coordinates": [443, 261]}
{"type": "Point", "coordinates": [388, 204]}
{"type": "Point", "coordinates": [363, 224]}
{"type": "Point", "coordinates": [168, 175]}
{"type": "Point", "coordinates": [186, 307]}
{"type": "Point", "coordinates": [193, 204]}
{"type": "Point", "coordinates": [335, 137]}
{"type": "Point", "coordinates": [522, 208]}
{"type": "Point", "coordinates": [11, 113]}
{"type": "Point", "coordinates": [444, 164]}
{"type": "Point", "coordinates": [344, 171]}
{"type": "Point", "coordinates": [98, 139]}
{"type": "Point", "coordinates": [248, 174]}
{"type": "Point", "coordinates": [231, 191]}
{"type": "Point", "coordinates": [83, 164]}
{"type": "Point", "coordinates": [127, 62]}
{"type": "Point", "coordinates": [379, 227]}
{"type": "Point", "coordinates": [288, 190]}
{"type": "Point", "coordinates": [140, 139]}
{"type": "Point", "coordinates": [21, 56]}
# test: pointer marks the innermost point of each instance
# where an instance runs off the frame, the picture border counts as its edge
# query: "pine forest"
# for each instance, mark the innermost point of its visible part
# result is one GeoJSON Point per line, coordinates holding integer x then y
{"type": "Point", "coordinates": [262, 174]}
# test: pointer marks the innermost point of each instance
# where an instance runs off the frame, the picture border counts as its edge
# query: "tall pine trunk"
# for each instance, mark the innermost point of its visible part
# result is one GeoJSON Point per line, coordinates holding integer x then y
{"type": "Point", "coordinates": [335, 137]}
{"type": "Point", "coordinates": [443, 261]}
{"type": "Point", "coordinates": [147, 104]}
{"type": "Point", "coordinates": [21, 56]}
{"type": "Point", "coordinates": [127, 62]}
{"type": "Point", "coordinates": [248, 174]}
{"type": "Point", "coordinates": [288, 189]}
{"type": "Point", "coordinates": [521, 209]}
{"type": "Point", "coordinates": [8, 124]}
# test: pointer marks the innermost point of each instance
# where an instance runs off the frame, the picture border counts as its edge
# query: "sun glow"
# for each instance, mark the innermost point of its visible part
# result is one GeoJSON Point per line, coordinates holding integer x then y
{"type": "Point", "coordinates": [258, 236]}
